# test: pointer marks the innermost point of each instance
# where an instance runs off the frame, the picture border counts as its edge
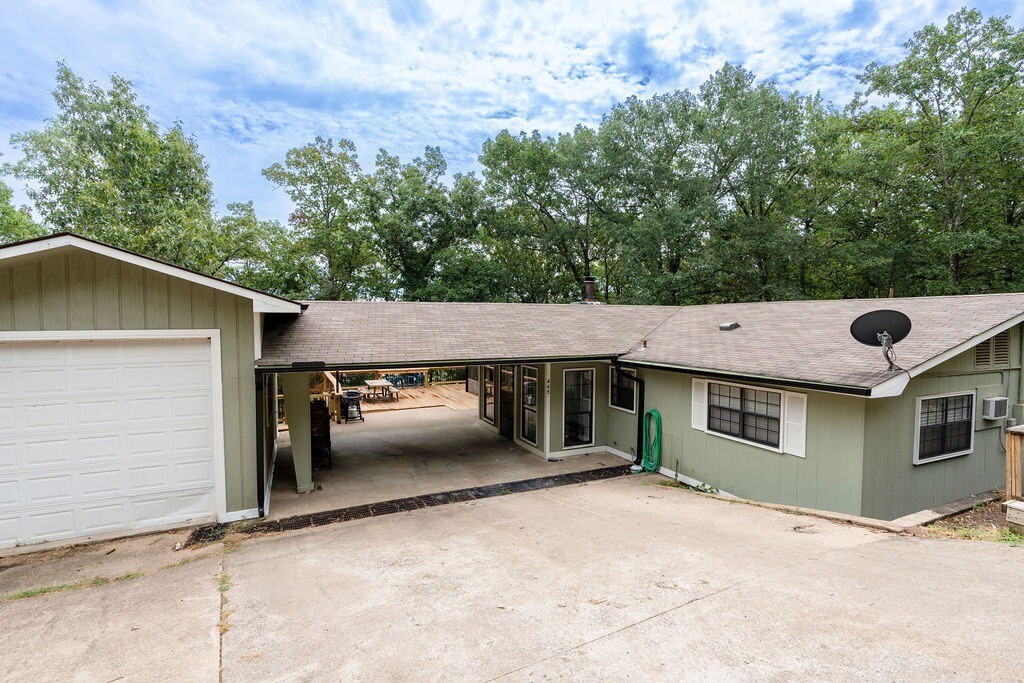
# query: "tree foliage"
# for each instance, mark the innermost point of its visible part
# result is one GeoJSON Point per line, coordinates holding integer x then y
{"type": "Point", "coordinates": [736, 191]}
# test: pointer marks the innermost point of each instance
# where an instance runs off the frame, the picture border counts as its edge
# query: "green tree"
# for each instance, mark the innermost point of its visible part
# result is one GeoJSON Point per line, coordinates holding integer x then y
{"type": "Point", "coordinates": [664, 204]}
{"type": "Point", "coordinates": [267, 257]}
{"type": "Point", "coordinates": [322, 180]}
{"type": "Point", "coordinates": [15, 224]}
{"type": "Point", "coordinates": [553, 194]}
{"type": "Point", "coordinates": [103, 169]}
{"type": "Point", "coordinates": [959, 90]}
{"type": "Point", "coordinates": [415, 218]}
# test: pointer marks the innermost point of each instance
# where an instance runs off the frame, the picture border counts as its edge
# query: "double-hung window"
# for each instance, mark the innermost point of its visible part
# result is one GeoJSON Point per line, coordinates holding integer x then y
{"type": "Point", "coordinates": [945, 427]}
{"type": "Point", "coordinates": [745, 413]}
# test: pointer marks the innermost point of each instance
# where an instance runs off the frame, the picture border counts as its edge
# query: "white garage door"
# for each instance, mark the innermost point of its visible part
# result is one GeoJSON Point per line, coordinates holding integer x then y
{"type": "Point", "coordinates": [104, 436]}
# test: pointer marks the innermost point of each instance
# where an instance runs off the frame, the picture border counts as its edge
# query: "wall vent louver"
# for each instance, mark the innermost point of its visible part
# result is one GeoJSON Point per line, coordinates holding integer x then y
{"type": "Point", "coordinates": [1001, 348]}
{"type": "Point", "coordinates": [983, 353]}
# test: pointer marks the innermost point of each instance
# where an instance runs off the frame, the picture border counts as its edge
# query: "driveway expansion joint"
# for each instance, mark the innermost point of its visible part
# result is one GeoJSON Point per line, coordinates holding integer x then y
{"type": "Point", "coordinates": [215, 532]}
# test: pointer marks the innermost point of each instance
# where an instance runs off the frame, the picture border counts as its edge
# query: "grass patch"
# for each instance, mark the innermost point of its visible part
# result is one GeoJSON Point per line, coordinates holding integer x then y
{"type": "Point", "coordinates": [183, 561]}
{"type": "Point", "coordinates": [57, 588]}
{"type": "Point", "coordinates": [967, 533]}
{"type": "Point", "coordinates": [223, 582]}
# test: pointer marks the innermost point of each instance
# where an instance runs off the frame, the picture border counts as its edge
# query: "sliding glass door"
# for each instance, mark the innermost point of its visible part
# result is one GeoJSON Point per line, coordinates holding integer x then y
{"type": "Point", "coordinates": [578, 428]}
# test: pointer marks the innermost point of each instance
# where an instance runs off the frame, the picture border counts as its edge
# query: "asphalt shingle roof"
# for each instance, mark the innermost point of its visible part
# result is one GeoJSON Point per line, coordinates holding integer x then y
{"type": "Point", "coordinates": [805, 341]}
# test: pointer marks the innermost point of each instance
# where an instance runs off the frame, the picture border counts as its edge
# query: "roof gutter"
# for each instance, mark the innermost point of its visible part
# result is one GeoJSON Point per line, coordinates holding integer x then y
{"type": "Point", "coordinates": [796, 384]}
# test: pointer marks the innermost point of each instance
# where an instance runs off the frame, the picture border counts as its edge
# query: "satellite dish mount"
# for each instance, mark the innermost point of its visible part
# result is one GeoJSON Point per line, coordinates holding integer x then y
{"type": "Point", "coordinates": [884, 328]}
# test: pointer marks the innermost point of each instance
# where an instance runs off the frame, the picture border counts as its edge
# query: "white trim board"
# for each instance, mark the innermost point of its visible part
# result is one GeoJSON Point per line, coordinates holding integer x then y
{"type": "Point", "coordinates": [238, 515]}
{"type": "Point", "coordinates": [261, 303]}
{"type": "Point", "coordinates": [217, 383]}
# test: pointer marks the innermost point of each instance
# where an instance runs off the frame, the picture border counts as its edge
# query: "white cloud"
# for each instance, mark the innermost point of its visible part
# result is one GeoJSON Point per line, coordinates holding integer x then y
{"type": "Point", "coordinates": [252, 80]}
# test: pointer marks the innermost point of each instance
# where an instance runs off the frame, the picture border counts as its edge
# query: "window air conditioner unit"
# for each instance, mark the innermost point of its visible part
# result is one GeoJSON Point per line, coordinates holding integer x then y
{"type": "Point", "coordinates": [995, 408]}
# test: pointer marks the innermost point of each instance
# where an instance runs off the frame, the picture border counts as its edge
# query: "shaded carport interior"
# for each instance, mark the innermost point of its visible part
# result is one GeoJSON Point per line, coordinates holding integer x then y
{"type": "Point", "coordinates": [413, 452]}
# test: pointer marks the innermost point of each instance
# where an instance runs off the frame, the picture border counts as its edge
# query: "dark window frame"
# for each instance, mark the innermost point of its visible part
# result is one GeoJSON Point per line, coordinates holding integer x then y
{"type": "Point", "coordinates": [953, 437]}
{"type": "Point", "coordinates": [731, 415]}
{"type": "Point", "coordinates": [566, 412]}
{"type": "Point", "coordinates": [615, 390]}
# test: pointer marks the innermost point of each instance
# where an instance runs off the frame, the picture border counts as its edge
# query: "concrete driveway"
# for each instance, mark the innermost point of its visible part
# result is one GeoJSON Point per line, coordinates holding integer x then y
{"type": "Point", "coordinates": [612, 580]}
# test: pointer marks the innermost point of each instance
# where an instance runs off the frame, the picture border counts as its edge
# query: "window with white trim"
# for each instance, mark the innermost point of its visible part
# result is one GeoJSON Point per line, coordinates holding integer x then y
{"type": "Point", "coordinates": [528, 419]}
{"type": "Point", "coordinates": [945, 427]}
{"type": "Point", "coordinates": [488, 382]}
{"type": "Point", "coordinates": [766, 418]}
{"type": "Point", "coordinates": [622, 389]}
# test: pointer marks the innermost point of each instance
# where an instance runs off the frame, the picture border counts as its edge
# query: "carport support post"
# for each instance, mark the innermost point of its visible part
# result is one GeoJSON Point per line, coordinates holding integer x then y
{"type": "Point", "coordinates": [296, 408]}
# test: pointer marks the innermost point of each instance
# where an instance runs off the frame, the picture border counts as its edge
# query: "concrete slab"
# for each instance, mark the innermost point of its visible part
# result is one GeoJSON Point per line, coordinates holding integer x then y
{"type": "Point", "coordinates": [162, 626]}
{"type": "Point", "coordinates": [106, 559]}
{"type": "Point", "coordinates": [617, 579]}
{"type": "Point", "coordinates": [409, 453]}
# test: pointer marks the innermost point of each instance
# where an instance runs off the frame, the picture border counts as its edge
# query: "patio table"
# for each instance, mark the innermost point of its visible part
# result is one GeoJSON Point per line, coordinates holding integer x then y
{"type": "Point", "coordinates": [383, 385]}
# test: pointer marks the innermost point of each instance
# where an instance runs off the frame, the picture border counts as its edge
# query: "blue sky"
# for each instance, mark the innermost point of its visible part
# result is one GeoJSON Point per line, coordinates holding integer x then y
{"type": "Point", "coordinates": [251, 80]}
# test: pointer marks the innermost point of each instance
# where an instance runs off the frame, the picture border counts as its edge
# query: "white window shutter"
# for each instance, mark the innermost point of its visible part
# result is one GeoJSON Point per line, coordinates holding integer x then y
{"type": "Point", "coordinates": [699, 404]}
{"type": "Point", "coordinates": [795, 432]}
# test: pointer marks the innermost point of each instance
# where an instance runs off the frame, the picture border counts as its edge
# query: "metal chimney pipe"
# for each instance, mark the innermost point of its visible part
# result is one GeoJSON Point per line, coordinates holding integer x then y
{"type": "Point", "coordinates": [589, 289]}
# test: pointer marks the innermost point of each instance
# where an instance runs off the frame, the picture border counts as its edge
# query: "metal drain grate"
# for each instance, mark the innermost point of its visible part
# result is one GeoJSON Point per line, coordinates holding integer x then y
{"type": "Point", "coordinates": [215, 532]}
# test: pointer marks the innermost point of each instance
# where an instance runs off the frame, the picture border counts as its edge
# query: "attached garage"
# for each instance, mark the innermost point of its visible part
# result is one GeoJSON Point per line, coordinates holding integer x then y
{"type": "Point", "coordinates": [127, 394]}
{"type": "Point", "coordinates": [112, 435]}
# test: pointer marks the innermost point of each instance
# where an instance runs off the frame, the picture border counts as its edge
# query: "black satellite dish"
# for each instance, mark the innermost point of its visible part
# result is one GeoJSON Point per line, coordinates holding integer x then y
{"type": "Point", "coordinates": [882, 328]}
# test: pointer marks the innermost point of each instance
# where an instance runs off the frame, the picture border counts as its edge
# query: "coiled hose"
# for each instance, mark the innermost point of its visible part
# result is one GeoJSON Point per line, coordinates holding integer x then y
{"type": "Point", "coordinates": [652, 442]}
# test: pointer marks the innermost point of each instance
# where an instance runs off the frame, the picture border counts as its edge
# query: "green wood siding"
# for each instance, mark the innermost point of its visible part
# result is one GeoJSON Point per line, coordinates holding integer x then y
{"type": "Point", "coordinates": [893, 485]}
{"type": "Point", "coordinates": [556, 428]}
{"type": "Point", "coordinates": [828, 478]}
{"type": "Point", "coordinates": [77, 290]}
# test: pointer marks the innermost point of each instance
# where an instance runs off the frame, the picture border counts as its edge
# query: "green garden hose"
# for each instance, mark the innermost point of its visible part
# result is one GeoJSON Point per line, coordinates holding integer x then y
{"type": "Point", "coordinates": [652, 446]}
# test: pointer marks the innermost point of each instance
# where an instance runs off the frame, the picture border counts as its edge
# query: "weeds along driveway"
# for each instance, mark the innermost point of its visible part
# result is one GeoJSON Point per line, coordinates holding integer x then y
{"type": "Point", "coordinates": [612, 580]}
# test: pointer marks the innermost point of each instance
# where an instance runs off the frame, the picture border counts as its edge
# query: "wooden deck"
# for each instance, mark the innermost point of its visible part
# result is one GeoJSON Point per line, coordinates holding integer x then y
{"type": "Point", "coordinates": [453, 396]}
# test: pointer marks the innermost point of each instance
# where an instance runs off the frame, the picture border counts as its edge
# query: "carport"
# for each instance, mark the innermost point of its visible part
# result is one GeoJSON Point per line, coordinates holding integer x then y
{"type": "Point", "coordinates": [514, 433]}
{"type": "Point", "coordinates": [403, 453]}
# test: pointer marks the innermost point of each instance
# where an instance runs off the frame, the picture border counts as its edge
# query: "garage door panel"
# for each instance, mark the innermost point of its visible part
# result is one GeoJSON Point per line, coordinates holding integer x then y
{"type": "Point", "coordinates": [40, 453]}
{"type": "Point", "coordinates": [53, 526]}
{"type": "Point", "coordinates": [40, 382]}
{"type": "Point", "coordinates": [94, 379]}
{"type": "Point", "coordinates": [101, 518]}
{"type": "Point", "coordinates": [145, 409]}
{"type": "Point", "coordinates": [8, 493]}
{"type": "Point", "coordinates": [96, 448]}
{"type": "Point", "coordinates": [128, 444]}
{"type": "Point", "coordinates": [44, 415]}
{"type": "Point", "coordinates": [100, 483]}
{"type": "Point", "coordinates": [94, 413]}
{"type": "Point", "coordinates": [44, 355]}
{"type": "Point", "coordinates": [54, 488]}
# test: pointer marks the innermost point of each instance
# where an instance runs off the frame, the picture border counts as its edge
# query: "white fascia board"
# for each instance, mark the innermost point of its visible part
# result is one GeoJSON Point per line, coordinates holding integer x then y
{"type": "Point", "coordinates": [896, 385]}
{"type": "Point", "coordinates": [261, 303]}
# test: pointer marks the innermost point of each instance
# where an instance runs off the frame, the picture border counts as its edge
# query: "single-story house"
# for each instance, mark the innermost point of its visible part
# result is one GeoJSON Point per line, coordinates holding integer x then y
{"type": "Point", "coordinates": [138, 395]}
